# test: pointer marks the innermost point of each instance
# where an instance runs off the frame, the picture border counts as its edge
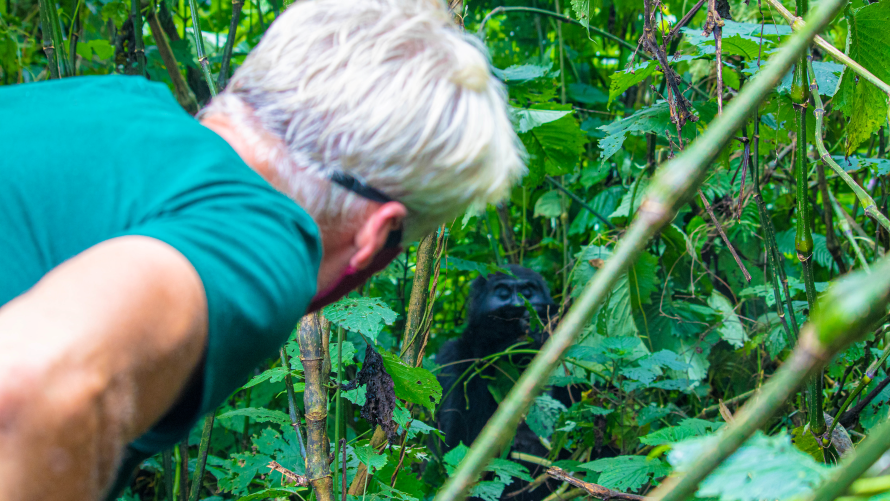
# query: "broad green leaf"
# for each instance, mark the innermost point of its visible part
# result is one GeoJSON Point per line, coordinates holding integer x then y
{"type": "Point", "coordinates": [764, 468]}
{"type": "Point", "coordinates": [488, 490]}
{"type": "Point", "coordinates": [364, 315]}
{"type": "Point", "coordinates": [554, 148]}
{"type": "Point", "coordinates": [274, 375]}
{"type": "Point", "coordinates": [634, 195]}
{"type": "Point", "coordinates": [626, 473]}
{"type": "Point", "coordinates": [687, 428]}
{"type": "Point", "coordinates": [413, 384]}
{"type": "Point", "coordinates": [505, 470]}
{"type": "Point", "coordinates": [369, 457]}
{"type": "Point", "coordinates": [625, 79]}
{"type": "Point", "coordinates": [641, 279]}
{"type": "Point", "coordinates": [731, 329]}
{"type": "Point", "coordinates": [551, 204]}
{"type": "Point", "coordinates": [620, 321]}
{"type": "Point", "coordinates": [544, 414]}
{"type": "Point", "coordinates": [666, 359]}
{"type": "Point", "coordinates": [529, 119]}
{"type": "Point", "coordinates": [102, 48]}
{"type": "Point", "coordinates": [522, 73]}
{"type": "Point", "coordinates": [587, 94]}
{"type": "Point", "coordinates": [455, 263]}
{"type": "Point", "coordinates": [738, 45]}
{"type": "Point", "coordinates": [259, 414]}
{"type": "Point", "coordinates": [348, 355]}
{"type": "Point", "coordinates": [273, 493]}
{"type": "Point", "coordinates": [868, 43]}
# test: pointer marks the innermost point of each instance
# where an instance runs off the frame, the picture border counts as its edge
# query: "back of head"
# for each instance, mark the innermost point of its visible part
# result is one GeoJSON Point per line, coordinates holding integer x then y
{"type": "Point", "coordinates": [388, 91]}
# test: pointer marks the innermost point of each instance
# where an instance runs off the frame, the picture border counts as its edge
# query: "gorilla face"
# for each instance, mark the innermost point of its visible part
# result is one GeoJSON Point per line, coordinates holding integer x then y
{"type": "Point", "coordinates": [497, 302]}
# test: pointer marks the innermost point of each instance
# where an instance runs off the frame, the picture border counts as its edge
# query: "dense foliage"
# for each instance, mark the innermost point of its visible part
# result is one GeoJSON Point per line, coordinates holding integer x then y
{"type": "Point", "coordinates": [685, 337]}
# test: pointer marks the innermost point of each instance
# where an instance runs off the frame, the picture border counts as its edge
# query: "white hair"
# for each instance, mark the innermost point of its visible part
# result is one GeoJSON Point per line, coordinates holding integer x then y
{"type": "Point", "coordinates": [388, 91]}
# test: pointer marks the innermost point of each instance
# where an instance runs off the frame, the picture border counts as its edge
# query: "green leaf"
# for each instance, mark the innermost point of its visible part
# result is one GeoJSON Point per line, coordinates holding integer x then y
{"type": "Point", "coordinates": [544, 414]}
{"type": "Point", "coordinates": [272, 493]}
{"type": "Point", "coordinates": [365, 315]}
{"type": "Point", "coordinates": [259, 414]}
{"type": "Point", "coordinates": [348, 355]}
{"type": "Point", "coordinates": [641, 279]}
{"type": "Point", "coordinates": [731, 329]}
{"type": "Point", "coordinates": [625, 79]}
{"type": "Point", "coordinates": [455, 263]}
{"type": "Point", "coordinates": [275, 375]}
{"type": "Point", "coordinates": [529, 119]}
{"type": "Point", "coordinates": [738, 45]}
{"type": "Point", "coordinates": [102, 48]}
{"type": "Point", "coordinates": [369, 457]}
{"type": "Point", "coordinates": [587, 94]}
{"type": "Point", "coordinates": [523, 73]}
{"type": "Point", "coordinates": [688, 428]}
{"type": "Point", "coordinates": [764, 468]}
{"type": "Point", "coordinates": [413, 384]}
{"type": "Point", "coordinates": [488, 490]}
{"type": "Point", "coordinates": [868, 43]}
{"type": "Point", "coordinates": [551, 204]}
{"type": "Point", "coordinates": [506, 470]}
{"type": "Point", "coordinates": [620, 321]}
{"type": "Point", "coordinates": [553, 147]}
{"type": "Point", "coordinates": [626, 473]}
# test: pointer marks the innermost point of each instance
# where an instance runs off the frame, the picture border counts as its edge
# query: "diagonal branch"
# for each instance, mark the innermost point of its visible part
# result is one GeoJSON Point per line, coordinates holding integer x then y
{"type": "Point", "coordinates": [595, 490]}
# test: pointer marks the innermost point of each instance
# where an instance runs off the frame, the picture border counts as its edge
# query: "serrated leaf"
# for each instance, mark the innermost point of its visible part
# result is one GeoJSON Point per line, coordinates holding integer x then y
{"type": "Point", "coordinates": [626, 473]}
{"type": "Point", "coordinates": [738, 45]}
{"type": "Point", "coordinates": [551, 204]}
{"type": "Point", "coordinates": [364, 315]}
{"type": "Point", "coordinates": [277, 374]}
{"type": "Point", "coordinates": [544, 414]}
{"type": "Point", "coordinates": [506, 470]}
{"type": "Point", "coordinates": [641, 374]}
{"type": "Point", "coordinates": [413, 384]}
{"type": "Point", "coordinates": [764, 468]}
{"type": "Point", "coordinates": [488, 490]}
{"type": "Point", "coordinates": [259, 414]}
{"type": "Point", "coordinates": [731, 329]}
{"type": "Point", "coordinates": [665, 358]}
{"type": "Point", "coordinates": [370, 458]}
{"type": "Point", "coordinates": [625, 79]}
{"type": "Point", "coordinates": [554, 148]}
{"type": "Point", "coordinates": [687, 428]}
{"type": "Point", "coordinates": [868, 43]}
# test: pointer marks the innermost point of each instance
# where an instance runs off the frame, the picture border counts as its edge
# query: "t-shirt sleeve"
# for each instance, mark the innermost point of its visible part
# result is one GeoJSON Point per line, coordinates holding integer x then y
{"type": "Point", "coordinates": [257, 254]}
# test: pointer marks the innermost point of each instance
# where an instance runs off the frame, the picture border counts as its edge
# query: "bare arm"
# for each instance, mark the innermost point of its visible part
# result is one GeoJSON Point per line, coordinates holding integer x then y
{"type": "Point", "coordinates": [90, 358]}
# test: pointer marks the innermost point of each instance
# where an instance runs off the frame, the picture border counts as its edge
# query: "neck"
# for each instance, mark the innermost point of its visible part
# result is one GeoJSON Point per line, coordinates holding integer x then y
{"type": "Point", "coordinates": [338, 247]}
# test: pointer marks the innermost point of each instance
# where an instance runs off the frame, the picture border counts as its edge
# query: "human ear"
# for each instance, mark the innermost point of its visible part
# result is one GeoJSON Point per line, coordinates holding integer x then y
{"type": "Point", "coordinates": [372, 235]}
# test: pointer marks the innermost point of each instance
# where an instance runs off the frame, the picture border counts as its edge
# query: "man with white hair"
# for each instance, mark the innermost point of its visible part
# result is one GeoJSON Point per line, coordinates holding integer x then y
{"type": "Point", "coordinates": [152, 261]}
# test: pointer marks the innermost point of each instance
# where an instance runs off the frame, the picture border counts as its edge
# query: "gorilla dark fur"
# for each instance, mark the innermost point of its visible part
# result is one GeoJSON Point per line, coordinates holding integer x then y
{"type": "Point", "coordinates": [496, 319]}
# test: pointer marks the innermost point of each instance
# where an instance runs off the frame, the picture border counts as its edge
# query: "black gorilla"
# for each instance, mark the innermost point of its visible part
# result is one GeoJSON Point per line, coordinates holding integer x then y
{"type": "Point", "coordinates": [497, 319]}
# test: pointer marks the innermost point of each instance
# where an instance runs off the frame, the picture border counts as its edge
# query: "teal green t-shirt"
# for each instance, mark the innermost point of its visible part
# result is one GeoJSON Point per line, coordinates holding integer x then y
{"type": "Point", "coordinates": [88, 159]}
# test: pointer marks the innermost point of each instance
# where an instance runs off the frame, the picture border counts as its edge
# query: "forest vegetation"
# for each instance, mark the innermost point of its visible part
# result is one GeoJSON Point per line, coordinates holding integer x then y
{"type": "Point", "coordinates": [706, 198]}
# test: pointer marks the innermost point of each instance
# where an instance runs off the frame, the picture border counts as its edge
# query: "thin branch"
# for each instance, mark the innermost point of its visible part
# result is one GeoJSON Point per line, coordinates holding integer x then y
{"type": "Point", "coordinates": [287, 474]}
{"type": "Point", "coordinates": [595, 490]}
{"type": "Point", "coordinates": [726, 241]}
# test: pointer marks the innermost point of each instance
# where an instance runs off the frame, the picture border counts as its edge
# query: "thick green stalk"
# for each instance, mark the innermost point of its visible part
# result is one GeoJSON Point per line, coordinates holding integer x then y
{"type": "Point", "coordinates": [846, 312]}
{"type": "Point", "coordinates": [315, 398]}
{"type": "Point", "coordinates": [230, 43]}
{"type": "Point", "coordinates": [183, 473]}
{"type": "Point", "coordinates": [168, 473]}
{"type": "Point", "coordinates": [139, 51]}
{"type": "Point", "coordinates": [868, 203]}
{"type": "Point", "coordinates": [198, 477]}
{"type": "Point", "coordinates": [420, 291]}
{"type": "Point", "coordinates": [49, 42]}
{"type": "Point", "coordinates": [199, 47]}
{"type": "Point", "coordinates": [848, 233]}
{"type": "Point", "coordinates": [59, 39]}
{"type": "Point", "coordinates": [671, 187]}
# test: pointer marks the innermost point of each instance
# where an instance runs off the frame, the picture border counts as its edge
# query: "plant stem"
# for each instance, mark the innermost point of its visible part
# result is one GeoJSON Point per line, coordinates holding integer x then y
{"type": "Point", "coordinates": [139, 51]}
{"type": "Point", "coordinates": [230, 43]}
{"type": "Point", "coordinates": [168, 473]}
{"type": "Point", "coordinates": [338, 408]}
{"type": "Point", "coordinates": [853, 466]}
{"type": "Point", "coordinates": [184, 95]}
{"type": "Point", "coordinates": [848, 233]}
{"type": "Point", "coordinates": [581, 202]}
{"type": "Point", "coordinates": [670, 188]}
{"type": "Point", "coordinates": [49, 42]}
{"type": "Point", "coordinates": [797, 23]}
{"type": "Point", "coordinates": [866, 378]}
{"type": "Point", "coordinates": [868, 203]}
{"type": "Point", "coordinates": [198, 477]}
{"type": "Point", "coordinates": [183, 470]}
{"type": "Point", "coordinates": [199, 47]}
{"type": "Point", "coordinates": [292, 403]}
{"type": "Point", "coordinates": [423, 271]}
{"type": "Point", "coordinates": [315, 398]}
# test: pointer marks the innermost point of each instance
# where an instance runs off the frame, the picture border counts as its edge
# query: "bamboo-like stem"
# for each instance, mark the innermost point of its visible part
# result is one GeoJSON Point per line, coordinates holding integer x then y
{"type": "Point", "coordinates": [315, 398]}
{"type": "Point", "coordinates": [139, 50]}
{"type": "Point", "coordinates": [184, 95]}
{"type": "Point", "coordinates": [581, 202]}
{"type": "Point", "coordinates": [338, 409]}
{"type": "Point", "coordinates": [292, 403]}
{"type": "Point", "coordinates": [797, 24]}
{"type": "Point", "coordinates": [866, 378]}
{"type": "Point", "coordinates": [562, 72]}
{"type": "Point", "coordinates": [848, 233]}
{"type": "Point", "coordinates": [230, 43]}
{"type": "Point", "coordinates": [671, 187]}
{"type": "Point", "coordinates": [357, 487]}
{"type": "Point", "coordinates": [199, 47]}
{"type": "Point", "coordinates": [846, 312]}
{"type": "Point", "coordinates": [868, 203]}
{"type": "Point", "coordinates": [184, 470]}
{"type": "Point", "coordinates": [203, 448]}
{"type": "Point", "coordinates": [49, 44]}
{"type": "Point", "coordinates": [423, 271]}
{"type": "Point", "coordinates": [167, 456]}
{"type": "Point", "coordinates": [58, 39]}
{"type": "Point", "coordinates": [773, 257]}
{"type": "Point", "coordinates": [853, 466]}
